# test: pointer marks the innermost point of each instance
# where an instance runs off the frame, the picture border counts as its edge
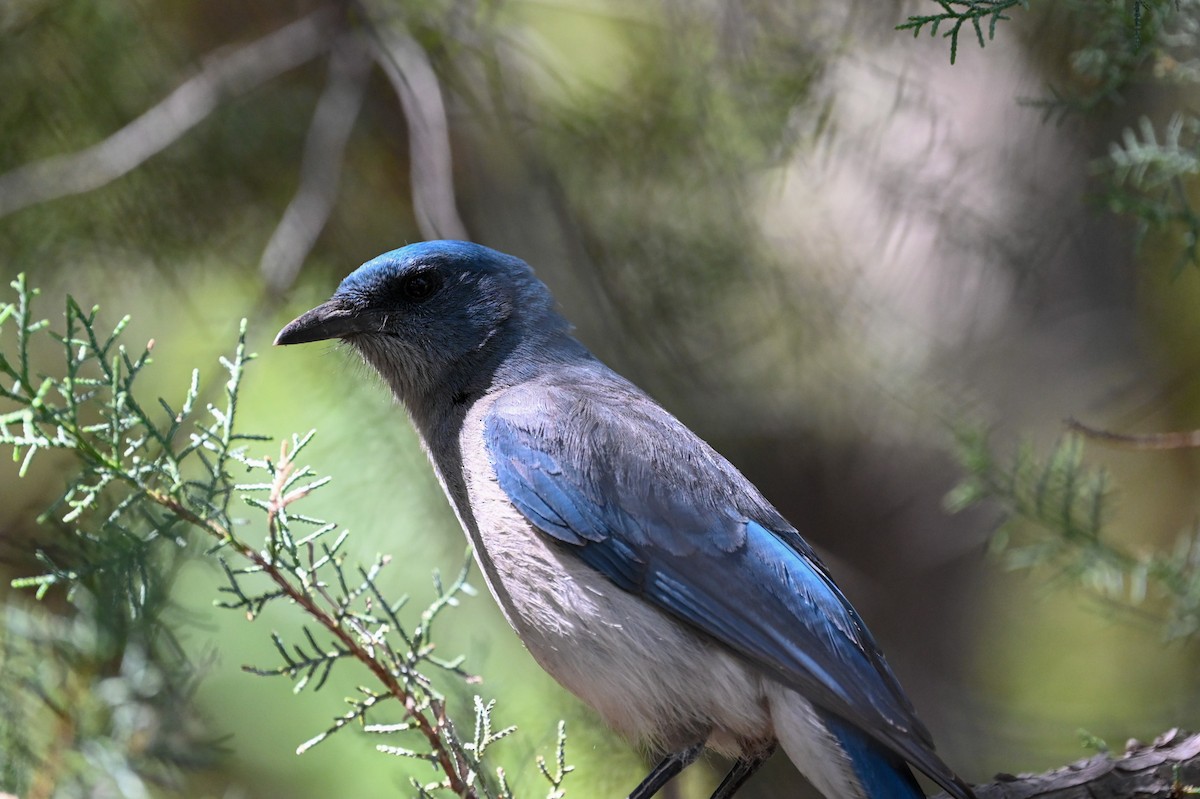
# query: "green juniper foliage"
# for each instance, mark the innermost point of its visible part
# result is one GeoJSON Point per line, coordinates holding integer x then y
{"type": "Point", "coordinates": [957, 13]}
{"type": "Point", "coordinates": [1152, 180]}
{"type": "Point", "coordinates": [1116, 47]}
{"type": "Point", "coordinates": [150, 485]}
{"type": "Point", "coordinates": [1149, 174]}
{"type": "Point", "coordinates": [1055, 517]}
{"type": "Point", "coordinates": [1056, 507]}
{"type": "Point", "coordinates": [1132, 17]}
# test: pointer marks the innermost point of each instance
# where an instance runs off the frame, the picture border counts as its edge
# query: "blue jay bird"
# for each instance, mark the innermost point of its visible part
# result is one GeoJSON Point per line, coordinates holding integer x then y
{"type": "Point", "coordinates": [637, 565]}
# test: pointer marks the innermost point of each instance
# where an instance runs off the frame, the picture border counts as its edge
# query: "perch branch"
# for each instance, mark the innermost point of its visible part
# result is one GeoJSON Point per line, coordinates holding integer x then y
{"type": "Point", "coordinates": [1167, 768]}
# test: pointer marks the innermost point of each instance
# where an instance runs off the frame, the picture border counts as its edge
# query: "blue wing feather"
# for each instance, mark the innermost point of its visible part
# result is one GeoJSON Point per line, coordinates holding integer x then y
{"type": "Point", "coordinates": [638, 497]}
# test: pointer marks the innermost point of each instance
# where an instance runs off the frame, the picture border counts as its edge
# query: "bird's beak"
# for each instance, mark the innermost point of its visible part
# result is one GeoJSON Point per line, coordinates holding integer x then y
{"type": "Point", "coordinates": [328, 320]}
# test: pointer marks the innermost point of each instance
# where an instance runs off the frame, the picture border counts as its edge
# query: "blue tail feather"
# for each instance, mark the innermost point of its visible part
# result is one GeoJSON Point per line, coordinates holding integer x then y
{"type": "Point", "coordinates": [882, 774]}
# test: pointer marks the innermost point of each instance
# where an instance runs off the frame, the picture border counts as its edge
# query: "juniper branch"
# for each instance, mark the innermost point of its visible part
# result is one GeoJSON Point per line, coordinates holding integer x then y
{"type": "Point", "coordinates": [957, 13]}
{"type": "Point", "coordinates": [140, 479]}
{"type": "Point", "coordinates": [355, 645]}
{"type": "Point", "coordinates": [1056, 516]}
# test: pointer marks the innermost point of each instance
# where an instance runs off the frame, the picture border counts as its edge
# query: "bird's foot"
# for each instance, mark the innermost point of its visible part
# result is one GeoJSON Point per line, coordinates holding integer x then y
{"type": "Point", "coordinates": [667, 768]}
{"type": "Point", "coordinates": [742, 769]}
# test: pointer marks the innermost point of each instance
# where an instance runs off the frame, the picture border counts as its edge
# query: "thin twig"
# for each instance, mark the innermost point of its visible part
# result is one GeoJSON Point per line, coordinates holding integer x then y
{"type": "Point", "coordinates": [1186, 439]}
{"type": "Point", "coordinates": [223, 74]}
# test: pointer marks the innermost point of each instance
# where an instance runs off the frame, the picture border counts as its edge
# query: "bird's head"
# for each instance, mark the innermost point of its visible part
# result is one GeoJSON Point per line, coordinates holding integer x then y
{"type": "Point", "coordinates": [435, 319]}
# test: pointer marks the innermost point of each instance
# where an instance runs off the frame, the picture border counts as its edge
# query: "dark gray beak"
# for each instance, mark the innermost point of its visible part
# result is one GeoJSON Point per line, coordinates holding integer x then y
{"type": "Point", "coordinates": [328, 320]}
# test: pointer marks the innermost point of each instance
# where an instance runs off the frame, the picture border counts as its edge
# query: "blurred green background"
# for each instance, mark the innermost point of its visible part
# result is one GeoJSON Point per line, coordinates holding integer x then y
{"type": "Point", "coordinates": [806, 233]}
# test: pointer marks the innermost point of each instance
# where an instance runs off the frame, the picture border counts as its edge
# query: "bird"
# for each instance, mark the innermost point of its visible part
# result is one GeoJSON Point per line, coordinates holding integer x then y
{"type": "Point", "coordinates": [637, 565]}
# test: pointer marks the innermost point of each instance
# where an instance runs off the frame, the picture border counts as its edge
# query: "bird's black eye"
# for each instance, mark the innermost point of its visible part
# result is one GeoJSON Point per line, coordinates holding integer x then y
{"type": "Point", "coordinates": [420, 286]}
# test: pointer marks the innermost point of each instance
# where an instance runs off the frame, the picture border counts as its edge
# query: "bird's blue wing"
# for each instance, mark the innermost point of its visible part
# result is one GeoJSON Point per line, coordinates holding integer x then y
{"type": "Point", "coordinates": [637, 496]}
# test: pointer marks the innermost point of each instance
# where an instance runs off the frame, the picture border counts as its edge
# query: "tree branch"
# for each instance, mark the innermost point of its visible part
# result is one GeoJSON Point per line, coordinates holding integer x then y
{"type": "Point", "coordinates": [1164, 769]}
{"type": "Point", "coordinates": [1186, 439]}
{"type": "Point", "coordinates": [432, 174]}
{"type": "Point", "coordinates": [223, 74]}
{"type": "Point", "coordinates": [320, 171]}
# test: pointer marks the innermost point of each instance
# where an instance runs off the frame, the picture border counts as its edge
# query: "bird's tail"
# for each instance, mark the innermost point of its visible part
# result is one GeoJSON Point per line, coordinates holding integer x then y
{"type": "Point", "coordinates": [881, 772]}
{"type": "Point", "coordinates": [840, 761]}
